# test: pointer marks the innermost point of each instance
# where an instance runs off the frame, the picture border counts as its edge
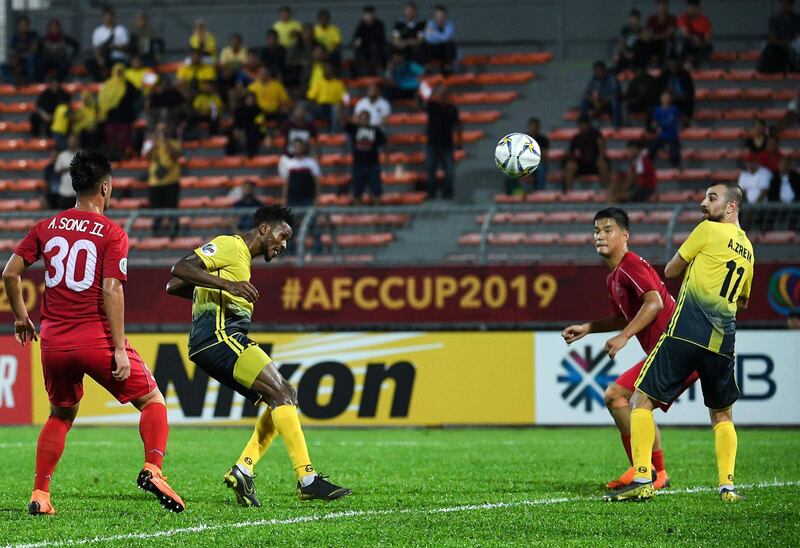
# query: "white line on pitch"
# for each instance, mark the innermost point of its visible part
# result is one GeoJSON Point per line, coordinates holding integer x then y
{"type": "Point", "coordinates": [369, 513]}
{"type": "Point", "coordinates": [14, 444]}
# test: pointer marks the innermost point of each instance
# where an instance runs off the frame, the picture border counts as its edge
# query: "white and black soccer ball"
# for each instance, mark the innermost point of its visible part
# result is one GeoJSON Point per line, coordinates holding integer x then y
{"type": "Point", "coordinates": [517, 154]}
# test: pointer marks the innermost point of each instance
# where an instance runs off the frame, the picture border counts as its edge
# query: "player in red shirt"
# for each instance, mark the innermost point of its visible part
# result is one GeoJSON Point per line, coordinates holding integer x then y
{"type": "Point", "coordinates": [83, 330]}
{"type": "Point", "coordinates": [642, 308]}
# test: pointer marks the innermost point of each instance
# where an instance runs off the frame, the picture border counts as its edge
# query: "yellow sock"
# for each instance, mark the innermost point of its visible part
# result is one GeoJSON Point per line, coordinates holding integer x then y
{"type": "Point", "coordinates": [262, 437]}
{"type": "Point", "coordinates": [288, 425]}
{"type": "Point", "coordinates": [725, 442]}
{"type": "Point", "coordinates": [643, 434]}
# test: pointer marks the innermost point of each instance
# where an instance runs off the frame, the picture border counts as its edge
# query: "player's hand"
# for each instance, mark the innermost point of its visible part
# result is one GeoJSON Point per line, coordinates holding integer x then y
{"type": "Point", "coordinates": [122, 365]}
{"type": "Point", "coordinates": [24, 330]}
{"type": "Point", "coordinates": [575, 332]}
{"type": "Point", "coordinates": [615, 344]}
{"type": "Point", "coordinates": [245, 290]}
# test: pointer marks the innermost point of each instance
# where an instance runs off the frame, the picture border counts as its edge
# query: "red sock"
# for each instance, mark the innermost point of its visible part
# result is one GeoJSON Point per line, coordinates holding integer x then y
{"type": "Point", "coordinates": [154, 430]}
{"type": "Point", "coordinates": [658, 460]}
{"type": "Point", "coordinates": [626, 443]}
{"type": "Point", "coordinates": [49, 450]}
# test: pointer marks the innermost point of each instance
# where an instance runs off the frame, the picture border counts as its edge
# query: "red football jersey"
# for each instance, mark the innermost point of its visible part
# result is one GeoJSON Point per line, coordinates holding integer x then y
{"type": "Point", "coordinates": [79, 248]}
{"type": "Point", "coordinates": [632, 278]}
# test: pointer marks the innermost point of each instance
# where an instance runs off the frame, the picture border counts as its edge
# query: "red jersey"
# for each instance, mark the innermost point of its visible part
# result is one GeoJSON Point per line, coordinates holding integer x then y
{"type": "Point", "coordinates": [632, 278]}
{"type": "Point", "coordinates": [80, 249]}
{"type": "Point", "coordinates": [643, 171]}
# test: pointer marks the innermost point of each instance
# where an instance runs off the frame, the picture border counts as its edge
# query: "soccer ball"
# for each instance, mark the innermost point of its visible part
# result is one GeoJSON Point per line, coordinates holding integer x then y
{"type": "Point", "coordinates": [517, 154]}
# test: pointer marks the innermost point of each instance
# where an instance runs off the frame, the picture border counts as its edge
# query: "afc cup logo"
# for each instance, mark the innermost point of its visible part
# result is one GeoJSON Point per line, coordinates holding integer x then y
{"type": "Point", "coordinates": [585, 378]}
{"type": "Point", "coordinates": [784, 291]}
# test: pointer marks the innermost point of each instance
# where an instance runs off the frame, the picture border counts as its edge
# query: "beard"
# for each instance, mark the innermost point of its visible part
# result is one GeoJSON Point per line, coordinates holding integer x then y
{"type": "Point", "coordinates": [716, 218]}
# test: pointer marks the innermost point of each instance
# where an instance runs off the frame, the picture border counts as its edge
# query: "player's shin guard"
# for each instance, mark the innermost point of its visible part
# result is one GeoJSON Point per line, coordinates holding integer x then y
{"type": "Point", "coordinates": [725, 442]}
{"type": "Point", "coordinates": [49, 450]}
{"type": "Point", "coordinates": [260, 441]}
{"type": "Point", "coordinates": [287, 423]}
{"type": "Point", "coordinates": [643, 434]}
{"type": "Point", "coordinates": [154, 430]}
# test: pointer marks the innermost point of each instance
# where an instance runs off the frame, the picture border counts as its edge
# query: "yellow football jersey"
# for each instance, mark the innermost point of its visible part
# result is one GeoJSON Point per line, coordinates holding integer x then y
{"type": "Point", "coordinates": [720, 271]}
{"type": "Point", "coordinates": [217, 314]}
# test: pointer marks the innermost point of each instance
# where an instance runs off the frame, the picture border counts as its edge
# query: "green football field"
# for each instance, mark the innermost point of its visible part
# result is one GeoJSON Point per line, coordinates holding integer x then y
{"type": "Point", "coordinates": [434, 487]}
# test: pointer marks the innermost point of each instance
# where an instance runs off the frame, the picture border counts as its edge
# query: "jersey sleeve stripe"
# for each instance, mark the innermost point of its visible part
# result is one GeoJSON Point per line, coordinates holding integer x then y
{"type": "Point", "coordinates": [631, 279]}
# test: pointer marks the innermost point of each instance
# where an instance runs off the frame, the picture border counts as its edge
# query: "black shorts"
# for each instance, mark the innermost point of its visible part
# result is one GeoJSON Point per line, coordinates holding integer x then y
{"type": "Point", "coordinates": [219, 361]}
{"type": "Point", "coordinates": [673, 360]}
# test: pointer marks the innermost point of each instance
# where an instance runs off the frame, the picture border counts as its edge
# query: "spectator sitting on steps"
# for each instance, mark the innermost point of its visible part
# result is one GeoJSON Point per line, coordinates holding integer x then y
{"type": "Point", "coordinates": [586, 156]}
{"type": "Point", "coordinates": [602, 95]}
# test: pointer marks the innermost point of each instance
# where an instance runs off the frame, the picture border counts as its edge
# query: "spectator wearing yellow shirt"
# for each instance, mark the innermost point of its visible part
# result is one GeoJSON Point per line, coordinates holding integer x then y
{"type": "Point", "coordinates": [329, 36]}
{"type": "Point", "coordinates": [195, 71]}
{"type": "Point", "coordinates": [286, 27]}
{"type": "Point", "coordinates": [84, 120]}
{"type": "Point", "coordinates": [271, 96]}
{"type": "Point", "coordinates": [231, 60]}
{"type": "Point", "coordinates": [202, 40]}
{"type": "Point", "coordinates": [143, 78]}
{"type": "Point", "coordinates": [164, 173]}
{"type": "Point", "coordinates": [60, 125]}
{"type": "Point", "coordinates": [206, 107]}
{"type": "Point", "coordinates": [330, 95]}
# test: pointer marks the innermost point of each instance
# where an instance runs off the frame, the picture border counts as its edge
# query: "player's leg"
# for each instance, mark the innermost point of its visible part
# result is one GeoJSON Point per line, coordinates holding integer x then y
{"type": "Point", "coordinates": [240, 476]}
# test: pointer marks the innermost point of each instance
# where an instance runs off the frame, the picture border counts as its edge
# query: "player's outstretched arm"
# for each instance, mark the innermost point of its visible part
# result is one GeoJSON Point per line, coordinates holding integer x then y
{"type": "Point", "coordinates": [12, 281]}
{"type": "Point", "coordinates": [179, 288]}
{"type": "Point", "coordinates": [576, 332]}
{"type": "Point", "coordinates": [675, 266]}
{"type": "Point", "coordinates": [114, 301]}
{"type": "Point", "coordinates": [193, 272]}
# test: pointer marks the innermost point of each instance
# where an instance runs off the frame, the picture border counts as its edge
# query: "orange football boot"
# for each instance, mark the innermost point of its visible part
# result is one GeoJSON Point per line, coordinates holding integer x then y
{"type": "Point", "coordinates": [40, 504]}
{"type": "Point", "coordinates": [151, 479]}
{"type": "Point", "coordinates": [662, 480]}
{"type": "Point", "coordinates": [624, 480]}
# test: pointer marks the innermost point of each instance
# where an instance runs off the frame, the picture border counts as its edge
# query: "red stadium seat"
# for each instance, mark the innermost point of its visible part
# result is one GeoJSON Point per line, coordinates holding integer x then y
{"type": "Point", "coordinates": [151, 244]}
{"type": "Point", "coordinates": [543, 196]}
{"type": "Point", "coordinates": [559, 217]}
{"type": "Point", "coordinates": [778, 237]}
{"type": "Point", "coordinates": [543, 238]}
{"type": "Point", "coordinates": [646, 238]}
{"type": "Point", "coordinates": [577, 238]}
{"type": "Point", "coordinates": [508, 198]}
{"type": "Point", "coordinates": [676, 196]}
{"type": "Point", "coordinates": [186, 243]}
{"type": "Point", "coordinates": [728, 133]}
{"type": "Point", "coordinates": [523, 218]}
{"type": "Point", "coordinates": [724, 56]}
{"type": "Point", "coordinates": [757, 94]}
{"type": "Point", "coordinates": [472, 238]}
{"type": "Point", "coordinates": [506, 238]}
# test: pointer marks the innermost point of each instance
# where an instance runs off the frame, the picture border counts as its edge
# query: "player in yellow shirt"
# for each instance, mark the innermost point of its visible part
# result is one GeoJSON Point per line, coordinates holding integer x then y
{"type": "Point", "coordinates": [717, 259]}
{"type": "Point", "coordinates": [216, 277]}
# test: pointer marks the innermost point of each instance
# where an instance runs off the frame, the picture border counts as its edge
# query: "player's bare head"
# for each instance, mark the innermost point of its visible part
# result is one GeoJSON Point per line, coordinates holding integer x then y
{"type": "Point", "coordinates": [274, 225]}
{"type": "Point", "coordinates": [90, 172]}
{"type": "Point", "coordinates": [611, 230]}
{"type": "Point", "coordinates": [722, 201]}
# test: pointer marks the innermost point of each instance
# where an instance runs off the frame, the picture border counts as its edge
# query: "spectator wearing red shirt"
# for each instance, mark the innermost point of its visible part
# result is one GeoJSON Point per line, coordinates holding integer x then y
{"type": "Point", "coordinates": [660, 34]}
{"type": "Point", "coordinates": [639, 182]}
{"type": "Point", "coordinates": [694, 35]}
{"type": "Point", "coordinates": [770, 157]}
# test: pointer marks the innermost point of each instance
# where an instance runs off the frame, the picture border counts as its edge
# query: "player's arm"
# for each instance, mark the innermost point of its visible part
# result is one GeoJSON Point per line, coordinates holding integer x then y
{"type": "Point", "coordinates": [179, 288]}
{"type": "Point", "coordinates": [193, 271]}
{"type": "Point", "coordinates": [741, 303]}
{"type": "Point", "coordinates": [576, 332]}
{"type": "Point", "coordinates": [114, 301]}
{"type": "Point", "coordinates": [12, 281]}
{"type": "Point", "coordinates": [676, 266]}
{"type": "Point", "coordinates": [652, 305]}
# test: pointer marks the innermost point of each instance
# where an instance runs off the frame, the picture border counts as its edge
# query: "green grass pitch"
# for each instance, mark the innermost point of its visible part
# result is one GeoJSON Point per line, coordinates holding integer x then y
{"type": "Point", "coordinates": [434, 487]}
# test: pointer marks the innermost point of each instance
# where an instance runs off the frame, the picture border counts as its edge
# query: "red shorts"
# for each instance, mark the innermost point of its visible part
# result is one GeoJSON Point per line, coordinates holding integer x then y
{"type": "Point", "coordinates": [64, 371]}
{"type": "Point", "coordinates": [628, 378]}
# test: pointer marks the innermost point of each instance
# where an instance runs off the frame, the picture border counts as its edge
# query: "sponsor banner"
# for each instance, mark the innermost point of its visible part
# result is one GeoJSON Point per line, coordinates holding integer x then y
{"type": "Point", "coordinates": [15, 382]}
{"type": "Point", "coordinates": [570, 381]}
{"type": "Point", "coordinates": [422, 295]}
{"type": "Point", "coordinates": [354, 379]}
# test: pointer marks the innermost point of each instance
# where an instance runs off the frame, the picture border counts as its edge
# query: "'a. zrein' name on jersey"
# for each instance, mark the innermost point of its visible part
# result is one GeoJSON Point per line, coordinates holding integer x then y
{"type": "Point", "coordinates": [720, 271]}
{"type": "Point", "coordinates": [80, 249]}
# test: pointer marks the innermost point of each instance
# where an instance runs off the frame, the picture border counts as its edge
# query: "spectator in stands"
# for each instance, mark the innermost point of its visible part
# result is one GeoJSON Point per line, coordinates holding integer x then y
{"type": "Point", "coordinates": [163, 152]}
{"type": "Point", "coordinates": [247, 200]}
{"type": "Point", "coordinates": [369, 43]}
{"type": "Point", "coordinates": [641, 95]}
{"type": "Point", "coordinates": [632, 51]}
{"type": "Point", "coordinates": [56, 51]}
{"type": "Point", "coordinates": [756, 142]}
{"type": "Point", "coordinates": [110, 45]}
{"type": "Point", "coordinates": [784, 26]}
{"type": "Point", "coordinates": [116, 105]}
{"type": "Point", "coordinates": [792, 113]}
{"type": "Point", "coordinates": [440, 44]}
{"type": "Point", "coordinates": [196, 70]}
{"type": "Point", "coordinates": [404, 75]}
{"type": "Point", "coordinates": [287, 27]}
{"type": "Point", "coordinates": [245, 133]}
{"type": "Point", "coordinates": [66, 194]}
{"type": "Point", "coordinates": [273, 54]}
{"type": "Point", "coordinates": [694, 35]}
{"type": "Point", "coordinates": [84, 121]}
{"type": "Point", "coordinates": [203, 41]}
{"type": "Point", "coordinates": [444, 134]}
{"type": "Point", "coordinates": [146, 42]}
{"type": "Point", "coordinates": [22, 54]}
{"type": "Point", "coordinates": [539, 177]}
{"type": "Point", "coordinates": [408, 34]}
{"type": "Point", "coordinates": [602, 95]}
{"type": "Point", "coordinates": [329, 36]}
{"type": "Point", "coordinates": [301, 175]}
{"type": "Point", "coordinates": [330, 97]}
{"type": "Point", "coordinates": [754, 180]}
{"type": "Point", "coordinates": [206, 108]}
{"type": "Point", "coordinates": [298, 127]}
{"type": "Point", "coordinates": [378, 108]}
{"type": "Point", "coordinates": [785, 183]}
{"type": "Point", "coordinates": [586, 155]}
{"type": "Point", "coordinates": [680, 84]}
{"type": "Point", "coordinates": [166, 103]}
{"type": "Point", "coordinates": [271, 96]}
{"type": "Point", "coordinates": [301, 56]}
{"type": "Point", "coordinates": [660, 34]}
{"type": "Point", "coordinates": [775, 57]}
{"type": "Point", "coordinates": [639, 182]}
{"type": "Point", "coordinates": [231, 60]}
{"type": "Point", "coordinates": [59, 128]}
{"type": "Point", "coordinates": [771, 156]}
{"type": "Point", "coordinates": [366, 141]}
{"type": "Point", "coordinates": [52, 96]}
{"type": "Point", "coordinates": [140, 76]}
{"type": "Point", "coordinates": [666, 121]}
